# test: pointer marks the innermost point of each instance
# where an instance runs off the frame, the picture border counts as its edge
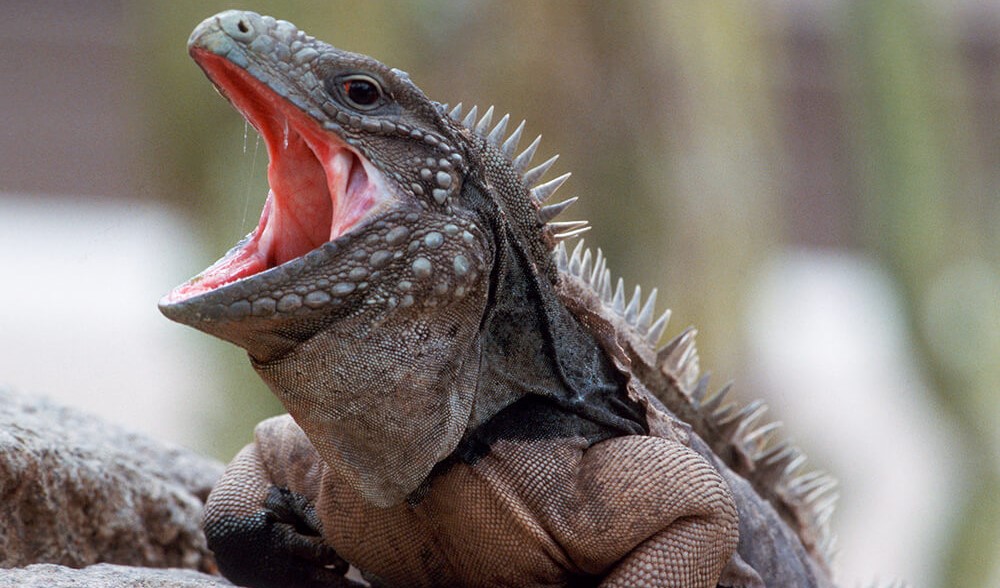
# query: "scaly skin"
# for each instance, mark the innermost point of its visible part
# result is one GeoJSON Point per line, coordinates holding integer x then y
{"type": "Point", "coordinates": [469, 405]}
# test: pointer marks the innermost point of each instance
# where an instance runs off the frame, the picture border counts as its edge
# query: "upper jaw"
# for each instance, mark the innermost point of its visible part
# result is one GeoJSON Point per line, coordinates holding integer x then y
{"type": "Point", "coordinates": [321, 187]}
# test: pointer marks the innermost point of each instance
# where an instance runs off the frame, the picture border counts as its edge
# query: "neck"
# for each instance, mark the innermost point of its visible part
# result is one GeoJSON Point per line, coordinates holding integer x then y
{"type": "Point", "coordinates": [382, 414]}
{"type": "Point", "coordinates": [533, 345]}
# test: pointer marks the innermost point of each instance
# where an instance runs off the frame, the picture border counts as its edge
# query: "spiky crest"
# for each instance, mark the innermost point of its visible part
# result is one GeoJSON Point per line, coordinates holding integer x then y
{"type": "Point", "coordinates": [540, 192]}
{"type": "Point", "coordinates": [805, 500]}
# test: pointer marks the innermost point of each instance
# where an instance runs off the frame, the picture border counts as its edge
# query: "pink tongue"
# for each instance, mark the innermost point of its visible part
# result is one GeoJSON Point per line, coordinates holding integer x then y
{"type": "Point", "coordinates": [296, 218]}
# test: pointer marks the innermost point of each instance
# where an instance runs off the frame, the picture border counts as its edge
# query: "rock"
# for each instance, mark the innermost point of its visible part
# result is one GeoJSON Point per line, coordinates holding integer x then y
{"type": "Point", "coordinates": [106, 576]}
{"type": "Point", "coordinates": [76, 490]}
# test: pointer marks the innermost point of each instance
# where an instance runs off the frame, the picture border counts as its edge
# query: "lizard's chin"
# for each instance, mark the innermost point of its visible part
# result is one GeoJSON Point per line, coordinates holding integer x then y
{"type": "Point", "coordinates": [320, 187]}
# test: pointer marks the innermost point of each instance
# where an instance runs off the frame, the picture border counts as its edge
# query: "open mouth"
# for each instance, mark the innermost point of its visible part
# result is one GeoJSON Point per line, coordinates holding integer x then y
{"type": "Point", "coordinates": [320, 188]}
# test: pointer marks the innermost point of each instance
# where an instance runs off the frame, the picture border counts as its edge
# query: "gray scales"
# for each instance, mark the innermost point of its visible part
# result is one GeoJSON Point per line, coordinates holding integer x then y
{"type": "Point", "coordinates": [470, 402]}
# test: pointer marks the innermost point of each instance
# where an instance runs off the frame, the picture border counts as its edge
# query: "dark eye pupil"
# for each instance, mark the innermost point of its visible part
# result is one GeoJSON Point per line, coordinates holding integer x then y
{"type": "Point", "coordinates": [361, 92]}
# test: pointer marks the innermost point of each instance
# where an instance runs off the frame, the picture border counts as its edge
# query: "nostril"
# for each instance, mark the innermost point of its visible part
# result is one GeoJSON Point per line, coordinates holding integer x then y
{"type": "Point", "coordinates": [242, 26]}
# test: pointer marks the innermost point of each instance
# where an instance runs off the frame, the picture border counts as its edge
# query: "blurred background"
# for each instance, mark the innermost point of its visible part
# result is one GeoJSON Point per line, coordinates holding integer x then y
{"type": "Point", "coordinates": [813, 183]}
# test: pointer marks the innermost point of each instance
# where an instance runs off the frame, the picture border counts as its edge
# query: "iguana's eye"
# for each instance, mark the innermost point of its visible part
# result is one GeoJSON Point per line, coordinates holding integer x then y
{"type": "Point", "coordinates": [361, 92]}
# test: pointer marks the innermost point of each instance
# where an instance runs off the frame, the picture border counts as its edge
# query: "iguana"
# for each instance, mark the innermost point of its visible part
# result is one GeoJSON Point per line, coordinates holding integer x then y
{"type": "Point", "coordinates": [470, 403]}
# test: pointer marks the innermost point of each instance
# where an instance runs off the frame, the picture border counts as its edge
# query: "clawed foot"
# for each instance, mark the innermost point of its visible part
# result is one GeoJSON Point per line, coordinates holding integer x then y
{"type": "Point", "coordinates": [280, 545]}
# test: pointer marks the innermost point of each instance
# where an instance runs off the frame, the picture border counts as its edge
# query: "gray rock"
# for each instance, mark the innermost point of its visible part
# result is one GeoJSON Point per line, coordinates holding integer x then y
{"type": "Point", "coordinates": [106, 576]}
{"type": "Point", "coordinates": [75, 490]}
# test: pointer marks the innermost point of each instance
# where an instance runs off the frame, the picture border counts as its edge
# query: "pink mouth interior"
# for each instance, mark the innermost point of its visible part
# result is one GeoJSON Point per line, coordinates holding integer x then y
{"type": "Point", "coordinates": [320, 188]}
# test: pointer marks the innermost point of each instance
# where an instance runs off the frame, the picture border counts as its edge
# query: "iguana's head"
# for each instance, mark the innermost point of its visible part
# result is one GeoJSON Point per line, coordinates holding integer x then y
{"type": "Point", "coordinates": [384, 240]}
{"type": "Point", "coordinates": [365, 173]}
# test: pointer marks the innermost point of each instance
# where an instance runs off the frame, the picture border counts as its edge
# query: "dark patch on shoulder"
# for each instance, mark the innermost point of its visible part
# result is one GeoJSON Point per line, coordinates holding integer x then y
{"type": "Point", "coordinates": [532, 418]}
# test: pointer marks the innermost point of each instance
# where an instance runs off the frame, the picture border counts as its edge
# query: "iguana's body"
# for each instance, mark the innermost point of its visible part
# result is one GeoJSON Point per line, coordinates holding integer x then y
{"type": "Point", "coordinates": [472, 406]}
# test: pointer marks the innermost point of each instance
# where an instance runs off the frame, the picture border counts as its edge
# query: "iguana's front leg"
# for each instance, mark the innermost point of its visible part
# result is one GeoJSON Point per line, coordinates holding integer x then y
{"type": "Point", "coordinates": [656, 483]}
{"type": "Point", "coordinates": [261, 521]}
{"type": "Point", "coordinates": [664, 485]}
{"type": "Point", "coordinates": [640, 511]}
